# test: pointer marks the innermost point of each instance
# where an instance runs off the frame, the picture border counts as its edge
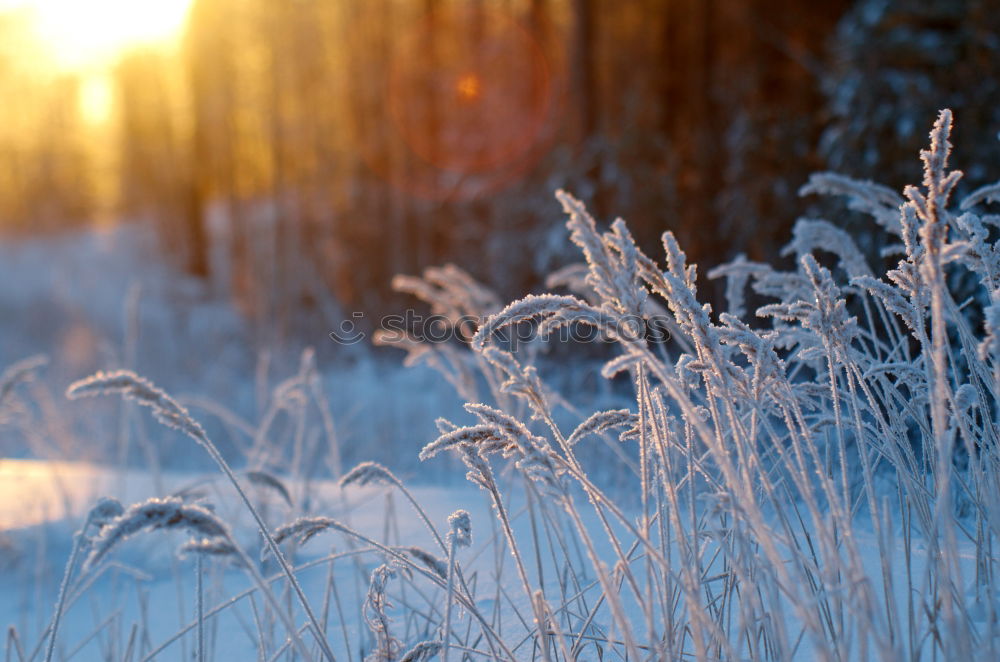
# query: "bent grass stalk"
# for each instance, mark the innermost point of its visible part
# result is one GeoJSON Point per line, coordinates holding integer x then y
{"type": "Point", "coordinates": [174, 513]}
{"type": "Point", "coordinates": [167, 411]}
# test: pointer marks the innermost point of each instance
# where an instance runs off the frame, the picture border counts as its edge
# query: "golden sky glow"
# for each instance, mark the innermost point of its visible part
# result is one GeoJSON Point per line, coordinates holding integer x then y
{"type": "Point", "coordinates": [76, 35]}
{"type": "Point", "coordinates": [86, 37]}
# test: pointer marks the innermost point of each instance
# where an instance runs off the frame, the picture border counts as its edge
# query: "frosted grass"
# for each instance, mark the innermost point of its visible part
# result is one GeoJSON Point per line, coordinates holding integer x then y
{"type": "Point", "coordinates": [816, 484]}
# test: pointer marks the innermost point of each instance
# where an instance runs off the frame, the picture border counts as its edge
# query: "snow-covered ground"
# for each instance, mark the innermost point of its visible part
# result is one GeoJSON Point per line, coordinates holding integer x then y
{"type": "Point", "coordinates": [150, 587]}
{"type": "Point", "coordinates": [144, 599]}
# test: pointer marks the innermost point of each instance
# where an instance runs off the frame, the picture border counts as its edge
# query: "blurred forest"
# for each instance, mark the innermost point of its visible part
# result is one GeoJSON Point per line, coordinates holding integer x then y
{"type": "Point", "coordinates": [297, 154]}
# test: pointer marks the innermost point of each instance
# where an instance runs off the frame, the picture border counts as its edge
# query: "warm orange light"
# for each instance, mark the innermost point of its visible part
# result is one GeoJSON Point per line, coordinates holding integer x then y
{"type": "Point", "coordinates": [96, 98]}
{"type": "Point", "coordinates": [468, 87]}
{"type": "Point", "coordinates": [80, 34]}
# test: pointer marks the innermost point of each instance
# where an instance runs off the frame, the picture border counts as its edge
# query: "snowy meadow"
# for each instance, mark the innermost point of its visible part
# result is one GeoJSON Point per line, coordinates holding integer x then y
{"type": "Point", "coordinates": [813, 474]}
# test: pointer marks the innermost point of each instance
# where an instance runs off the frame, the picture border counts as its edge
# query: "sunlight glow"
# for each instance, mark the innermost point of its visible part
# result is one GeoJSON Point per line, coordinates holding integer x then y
{"type": "Point", "coordinates": [96, 98]}
{"type": "Point", "coordinates": [79, 34]}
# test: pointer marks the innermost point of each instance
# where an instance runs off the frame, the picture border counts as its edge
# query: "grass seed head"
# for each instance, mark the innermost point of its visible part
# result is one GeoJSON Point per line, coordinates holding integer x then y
{"type": "Point", "coordinates": [169, 513]}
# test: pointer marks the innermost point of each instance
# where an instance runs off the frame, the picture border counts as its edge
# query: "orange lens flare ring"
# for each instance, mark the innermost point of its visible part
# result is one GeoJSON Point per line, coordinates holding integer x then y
{"type": "Point", "coordinates": [468, 107]}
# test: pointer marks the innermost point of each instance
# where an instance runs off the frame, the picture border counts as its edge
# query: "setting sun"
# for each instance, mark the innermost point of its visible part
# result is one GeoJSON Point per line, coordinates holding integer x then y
{"type": "Point", "coordinates": [78, 35]}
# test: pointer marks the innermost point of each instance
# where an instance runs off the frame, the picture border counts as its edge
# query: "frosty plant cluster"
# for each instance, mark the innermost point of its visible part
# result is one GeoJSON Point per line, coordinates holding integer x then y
{"type": "Point", "coordinates": [821, 486]}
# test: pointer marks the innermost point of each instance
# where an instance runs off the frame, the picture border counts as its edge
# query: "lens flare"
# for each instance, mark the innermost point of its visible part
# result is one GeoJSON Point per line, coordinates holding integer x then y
{"type": "Point", "coordinates": [468, 87]}
{"type": "Point", "coordinates": [470, 110]}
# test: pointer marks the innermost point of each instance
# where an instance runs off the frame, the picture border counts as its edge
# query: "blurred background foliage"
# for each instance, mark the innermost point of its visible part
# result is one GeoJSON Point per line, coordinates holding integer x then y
{"type": "Point", "coordinates": [297, 154]}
